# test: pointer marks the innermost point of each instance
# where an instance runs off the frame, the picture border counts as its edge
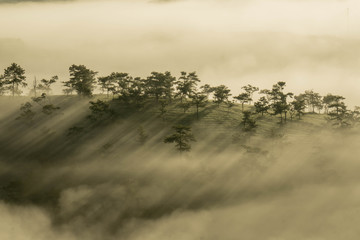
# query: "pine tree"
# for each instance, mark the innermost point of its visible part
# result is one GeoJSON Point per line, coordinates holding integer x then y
{"type": "Point", "coordinates": [14, 76]}
{"type": "Point", "coordinates": [182, 138]}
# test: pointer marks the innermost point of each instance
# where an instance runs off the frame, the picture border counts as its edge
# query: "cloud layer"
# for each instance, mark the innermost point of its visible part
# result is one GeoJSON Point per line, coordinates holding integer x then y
{"type": "Point", "coordinates": [303, 185]}
{"type": "Point", "coordinates": [258, 42]}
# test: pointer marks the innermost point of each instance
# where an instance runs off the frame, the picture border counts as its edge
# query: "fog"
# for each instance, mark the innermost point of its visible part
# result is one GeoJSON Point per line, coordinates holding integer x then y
{"type": "Point", "coordinates": [104, 185]}
{"type": "Point", "coordinates": [309, 44]}
{"type": "Point", "coordinates": [295, 182]}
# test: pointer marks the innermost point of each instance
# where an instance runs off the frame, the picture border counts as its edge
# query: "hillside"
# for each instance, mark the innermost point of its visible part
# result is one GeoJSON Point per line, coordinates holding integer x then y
{"type": "Point", "coordinates": [111, 176]}
{"type": "Point", "coordinates": [217, 122]}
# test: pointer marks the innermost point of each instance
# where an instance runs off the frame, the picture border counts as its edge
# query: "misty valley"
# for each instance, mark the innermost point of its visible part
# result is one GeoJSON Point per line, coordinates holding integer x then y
{"type": "Point", "coordinates": [165, 157]}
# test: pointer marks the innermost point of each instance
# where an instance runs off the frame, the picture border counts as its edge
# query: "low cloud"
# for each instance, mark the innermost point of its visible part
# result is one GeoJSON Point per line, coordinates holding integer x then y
{"type": "Point", "coordinates": [256, 43]}
{"type": "Point", "coordinates": [323, 63]}
{"type": "Point", "coordinates": [298, 187]}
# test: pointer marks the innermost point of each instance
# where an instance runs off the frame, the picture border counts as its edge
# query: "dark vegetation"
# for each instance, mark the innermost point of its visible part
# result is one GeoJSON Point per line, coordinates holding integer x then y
{"type": "Point", "coordinates": [125, 95]}
{"type": "Point", "coordinates": [147, 109]}
{"type": "Point", "coordinates": [162, 100]}
{"type": "Point", "coordinates": [132, 119]}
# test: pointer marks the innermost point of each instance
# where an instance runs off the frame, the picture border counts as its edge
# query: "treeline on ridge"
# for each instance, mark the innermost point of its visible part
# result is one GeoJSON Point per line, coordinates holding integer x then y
{"type": "Point", "coordinates": [163, 89]}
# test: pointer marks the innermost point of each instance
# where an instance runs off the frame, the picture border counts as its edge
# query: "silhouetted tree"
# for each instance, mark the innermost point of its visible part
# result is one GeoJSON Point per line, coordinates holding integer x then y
{"type": "Point", "coordinates": [136, 94]}
{"type": "Point", "coordinates": [107, 84]}
{"type": "Point", "coordinates": [100, 110]}
{"type": "Point", "coordinates": [299, 105]}
{"type": "Point", "coordinates": [327, 100]}
{"type": "Point", "coordinates": [248, 123]}
{"type": "Point", "coordinates": [338, 113]}
{"type": "Point", "coordinates": [68, 90]}
{"type": "Point", "coordinates": [47, 107]}
{"type": "Point", "coordinates": [336, 105]}
{"type": "Point", "coordinates": [40, 100]}
{"type": "Point", "coordinates": [160, 85]}
{"type": "Point", "coordinates": [120, 84]}
{"type": "Point", "coordinates": [243, 98]}
{"type": "Point", "coordinates": [312, 100]}
{"type": "Point", "coordinates": [199, 99]}
{"type": "Point", "coordinates": [163, 104]}
{"type": "Point", "coordinates": [2, 85]}
{"type": "Point", "coordinates": [45, 84]}
{"type": "Point", "coordinates": [267, 93]}
{"type": "Point", "coordinates": [279, 100]}
{"type": "Point", "coordinates": [262, 106]}
{"type": "Point", "coordinates": [182, 138]}
{"type": "Point", "coordinates": [221, 94]}
{"type": "Point", "coordinates": [207, 90]}
{"type": "Point", "coordinates": [249, 89]}
{"type": "Point", "coordinates": [131, 90]}
{"type": "Point", "coordinates": [43, 87]}
{"type": "Point", "coordinates": [26, 112]}
{"type": "Point", "coordinates": [82, 80]}
{"type": "Point", "coordinates": [14, 76]}
{"type": "Point", "coordinates": [355, 116]}
{"type": "Point", "coordinates": [276, 93]}
{"type": "Point", "coordinates": [186, 85]}
{"type": "Point", "coordinates": [342, 118]}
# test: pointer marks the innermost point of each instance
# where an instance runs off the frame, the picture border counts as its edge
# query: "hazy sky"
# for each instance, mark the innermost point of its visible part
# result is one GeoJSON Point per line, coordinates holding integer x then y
{"type": "Point", "coordinates": [308, 44]}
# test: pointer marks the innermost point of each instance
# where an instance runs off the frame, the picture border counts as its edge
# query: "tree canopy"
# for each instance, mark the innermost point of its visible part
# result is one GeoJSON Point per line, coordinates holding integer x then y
{"type": "Point", "coordinates": [14, 76]}
{"type": "Point", "coordinates": [182, 138]}
{"type": "Point", "coordinates": [82, 80]}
